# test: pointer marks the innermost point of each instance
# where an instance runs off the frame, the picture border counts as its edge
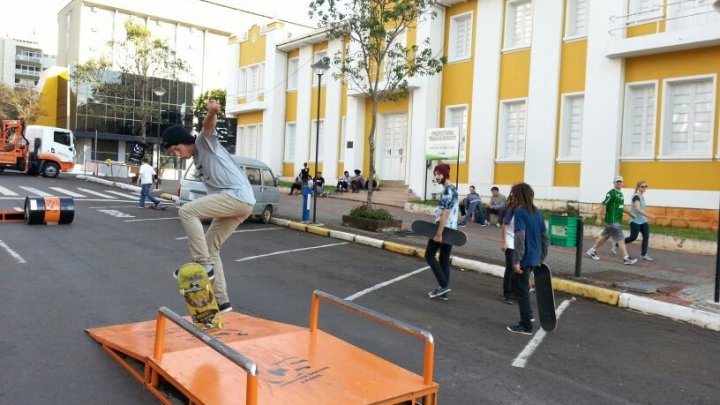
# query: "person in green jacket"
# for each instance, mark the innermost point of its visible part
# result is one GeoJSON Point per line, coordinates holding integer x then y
{"type": "Point", "coordinates": [612, 210]}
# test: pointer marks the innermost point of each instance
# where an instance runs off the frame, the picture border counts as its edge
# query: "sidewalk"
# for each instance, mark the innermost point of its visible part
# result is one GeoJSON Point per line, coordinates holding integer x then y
{"type": "Point", "coordinates": [682, 279]}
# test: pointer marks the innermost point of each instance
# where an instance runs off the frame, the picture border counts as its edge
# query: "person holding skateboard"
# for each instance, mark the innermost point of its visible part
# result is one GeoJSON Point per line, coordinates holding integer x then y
{"type": "Point", "coordinates": [229, 201]}
{"type": "Point", "coordinates": [446, 216]}
{"type": "Point", "coordinates": [145, 178]}
{"type": "Point", "coordinates": [531, 243]}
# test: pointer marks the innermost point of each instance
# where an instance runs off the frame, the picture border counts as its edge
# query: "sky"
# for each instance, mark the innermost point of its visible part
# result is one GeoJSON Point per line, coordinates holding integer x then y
{"type": "Point", "coordinates": [37, 19]}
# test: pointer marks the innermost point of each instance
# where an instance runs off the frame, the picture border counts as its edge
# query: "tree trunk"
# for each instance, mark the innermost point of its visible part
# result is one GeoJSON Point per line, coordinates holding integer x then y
{"type": "Point", "coordinates": [371, 171]}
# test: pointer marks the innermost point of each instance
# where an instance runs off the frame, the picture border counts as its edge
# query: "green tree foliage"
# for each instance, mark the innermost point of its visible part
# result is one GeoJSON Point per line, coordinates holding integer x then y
{"type": "Point", "coordinates": [215, 94]}
{"type": "Point", "coordinates": [374, 62]}
{"type": "Point", "coordinates": [140, 60]}
{"type": "Point", "coordinates": [17, 103]}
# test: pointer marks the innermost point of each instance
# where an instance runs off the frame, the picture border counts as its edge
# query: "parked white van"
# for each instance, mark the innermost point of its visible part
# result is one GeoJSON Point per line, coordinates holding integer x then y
{"type": "Point", "coordinates": [262, 180]}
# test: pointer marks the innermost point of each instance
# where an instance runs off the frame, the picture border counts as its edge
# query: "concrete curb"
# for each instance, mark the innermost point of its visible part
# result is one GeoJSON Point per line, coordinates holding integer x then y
{"type": "Point", "coordinates": [698, 317]}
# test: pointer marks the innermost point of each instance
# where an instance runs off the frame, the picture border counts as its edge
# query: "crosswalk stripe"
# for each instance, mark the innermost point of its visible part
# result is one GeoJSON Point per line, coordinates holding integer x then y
{"type": "Point", "coordinates": [35, 191]}
{"type": "Point", "coordinates": [68, 192]}
{"type": "Point", "coordinates": [122, 194]}
{"type": "Point", "coordinates": [5, 191]}
{"type": "Point", "coordinates": [84, 190]}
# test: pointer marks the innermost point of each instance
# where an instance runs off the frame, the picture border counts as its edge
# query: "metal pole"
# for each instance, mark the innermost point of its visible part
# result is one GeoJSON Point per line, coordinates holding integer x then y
{"type": "Point", "coordinates": [579, 247]}
{"type": "Point", "coordinates": [157, 163]}
{"type": "Point", "coordinates": [317, 148]}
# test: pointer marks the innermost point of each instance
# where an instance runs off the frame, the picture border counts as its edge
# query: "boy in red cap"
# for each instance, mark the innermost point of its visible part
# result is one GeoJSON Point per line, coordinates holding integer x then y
{"type": "Point", "coordinates": [446, 216]}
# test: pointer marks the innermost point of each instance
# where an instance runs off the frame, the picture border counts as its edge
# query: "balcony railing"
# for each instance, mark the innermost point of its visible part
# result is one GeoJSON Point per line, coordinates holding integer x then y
{"type": "Point", "coordinates": [27, 58]}
{"type": "Point", "coordinates": [672, 15]}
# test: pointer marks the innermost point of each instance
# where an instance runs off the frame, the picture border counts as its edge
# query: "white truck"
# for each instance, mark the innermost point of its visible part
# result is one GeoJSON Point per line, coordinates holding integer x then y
{"type": "Point", "coordinates": [36, 149]}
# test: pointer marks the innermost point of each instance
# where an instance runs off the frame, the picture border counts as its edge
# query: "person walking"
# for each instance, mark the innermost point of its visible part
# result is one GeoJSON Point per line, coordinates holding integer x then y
{"type": "Point", "coordinates": [145, 179]}
{"type": "Point", "coordinates": [638, 223]}
{"type": "Point", "coordinates": [531, 243]}
{"type": "Point", "coordinates": [612, 210]}
{"type": "Point", "coordinates": [507, 245]}
{"type": "Point", "coordinates": [229, 200]}
{"type": "Point", "coordinates": [446, 215]}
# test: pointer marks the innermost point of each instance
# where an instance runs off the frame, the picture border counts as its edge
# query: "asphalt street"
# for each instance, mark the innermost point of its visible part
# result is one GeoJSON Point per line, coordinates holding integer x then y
{"type": "Point", "coordinates": [113, 265]}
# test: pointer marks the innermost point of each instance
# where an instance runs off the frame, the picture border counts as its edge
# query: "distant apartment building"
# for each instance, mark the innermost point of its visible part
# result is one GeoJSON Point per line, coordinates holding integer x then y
{"type": "Point", "coordinates": [563, 95]}
{"type": "Point", "coordinates": [22, 62]}
{"type": "Point", "coordinates": [197, 31]}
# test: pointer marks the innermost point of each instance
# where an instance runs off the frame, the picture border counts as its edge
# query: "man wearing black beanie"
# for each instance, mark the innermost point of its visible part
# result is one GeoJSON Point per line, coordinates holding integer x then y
{"type": "Point", "coordinates": [446, 216]}
{"type": "Point", "coordinates": [229, 201]}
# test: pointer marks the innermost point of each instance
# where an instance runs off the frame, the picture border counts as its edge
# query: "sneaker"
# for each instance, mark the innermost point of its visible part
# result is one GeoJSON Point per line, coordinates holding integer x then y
{"type": "Point", "coordinates": [508, 300]}
{"type": "Point", "coordinates": [462, 225]}
{"type": "Point", "coordinates": [629, 260]}
{"type": "Point", "coordinates": [208, 269]}
{"type": "Point", "coordinates": [439, 291]}
{"type": "Point", "coordinates": [498, 225]}
{"type": "Point", "coordinates": [517, 328]}
{"type": "Point", "coordinates": [614, 249]}
{"type": "Point", "coordinates": [443, 297]}
{"type": "Point", "coordinates": [486, 223]}
{"type": "Point", "coordinates": [592, 253]}
{"type": "Point", "coordinates": [225, 307]}
{"type": "Point", "coordinates": [647, 258]}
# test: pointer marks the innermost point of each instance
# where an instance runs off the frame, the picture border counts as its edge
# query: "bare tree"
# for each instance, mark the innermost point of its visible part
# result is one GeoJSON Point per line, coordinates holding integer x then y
{"type": "Point", "coordinates": [374, 61]}
{"type": "Point", "coordinates": [17, 103]}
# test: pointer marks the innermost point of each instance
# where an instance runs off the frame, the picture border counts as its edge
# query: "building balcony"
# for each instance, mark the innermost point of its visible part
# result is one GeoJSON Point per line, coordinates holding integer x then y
{"type": "Point", "coordinates": [27, 73]}
{"type": "Point", "coordinates": [25, 58]}
{"type": "Point", "coordinates": [672, 26]}
{"type": "Point", "coordinates": [246, 102]}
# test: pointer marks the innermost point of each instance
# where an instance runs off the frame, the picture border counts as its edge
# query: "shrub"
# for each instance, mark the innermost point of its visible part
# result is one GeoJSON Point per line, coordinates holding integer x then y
{"type": "Point", "coordinates": [362, 211]}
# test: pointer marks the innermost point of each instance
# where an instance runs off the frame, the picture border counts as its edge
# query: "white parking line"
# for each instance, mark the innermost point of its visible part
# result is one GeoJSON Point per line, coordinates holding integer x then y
{"type": "Point", "coordinates": [15, 255]}
{"type": "Point", "coordinates": [6, 191]}
{"type": "Point", "coordinates": [282, 252]}
{"type": "Point", "coordinates": [130, 196]}
{"type": "Point", "coordinates": [522, 358]}
{"type": "Point", "coordinates": [35, 191]}
{"type": "Point", "coordinates": [84, 190]}
{"type": "Point", "coordinates": [385, 283]}
{"type": "Point", "coordinates": [68, 192]}
{"type": "Point", "coordinates": [244, 230]}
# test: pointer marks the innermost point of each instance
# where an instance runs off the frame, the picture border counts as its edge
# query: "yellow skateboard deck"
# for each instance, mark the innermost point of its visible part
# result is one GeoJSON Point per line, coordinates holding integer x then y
{"type": "Point", "coordinates": [199, 297]}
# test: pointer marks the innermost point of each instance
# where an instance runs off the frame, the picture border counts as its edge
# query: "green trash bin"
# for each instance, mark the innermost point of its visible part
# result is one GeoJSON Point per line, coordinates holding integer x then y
{"type": "Point", "coordinates": [563, 230]}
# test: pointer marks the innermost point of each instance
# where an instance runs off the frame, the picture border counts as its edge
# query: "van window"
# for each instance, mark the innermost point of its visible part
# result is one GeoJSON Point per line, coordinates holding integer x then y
{"type": "Point", "coordinates": [268, 179]}
{"type": "Point", "coordinates": [62, 138]}
{"type": "Point", "coordinates": [253, 175]}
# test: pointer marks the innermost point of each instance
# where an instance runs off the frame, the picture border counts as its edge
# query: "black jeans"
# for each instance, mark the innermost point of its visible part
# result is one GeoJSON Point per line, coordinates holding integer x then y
{"type": "Point", "coordinates": [644, 229]}
{"type": "Point", "coordinates": [509, 282]}
{"type": "Point", "coordinates": [522, 293]}
{"type": "Point", "coordinates": [441, 268]}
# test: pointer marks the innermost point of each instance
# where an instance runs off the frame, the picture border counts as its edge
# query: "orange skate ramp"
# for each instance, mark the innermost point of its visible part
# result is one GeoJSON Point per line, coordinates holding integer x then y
{"type": "Point", "coordinates": [253, 361]}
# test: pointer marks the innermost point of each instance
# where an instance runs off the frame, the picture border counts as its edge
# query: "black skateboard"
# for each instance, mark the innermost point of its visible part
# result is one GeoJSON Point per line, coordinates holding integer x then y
{"type": "Point", "coordinates": [429, 229]}
{"type": "Point", "coordinates": [545, 298]}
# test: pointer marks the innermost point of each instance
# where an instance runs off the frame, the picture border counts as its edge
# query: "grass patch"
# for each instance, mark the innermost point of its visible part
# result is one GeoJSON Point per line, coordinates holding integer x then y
{"type": "Point", "coordinates": [362, 211]}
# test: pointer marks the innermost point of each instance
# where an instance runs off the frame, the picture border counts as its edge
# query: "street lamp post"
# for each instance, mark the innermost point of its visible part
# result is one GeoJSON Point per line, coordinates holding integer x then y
{"type": "Point", "coordinates": [320, 67]}
{"type": "Point", "coordinates": [716, 5]}
{"type": "Point", "coordinates": [159, 91]}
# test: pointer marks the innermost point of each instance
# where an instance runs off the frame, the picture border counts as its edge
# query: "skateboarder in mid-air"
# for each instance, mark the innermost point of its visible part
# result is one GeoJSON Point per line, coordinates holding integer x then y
{"type": "Point", "coordinates": [229, 201]}
{"type": "Point", "coordinates": [446, 216]}
{"type": "Point", "coordinates": [530, 245]}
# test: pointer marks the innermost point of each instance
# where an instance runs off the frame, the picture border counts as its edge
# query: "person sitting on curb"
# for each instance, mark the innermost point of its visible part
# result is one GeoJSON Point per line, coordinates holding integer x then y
{"type": "Point", "coordinates": [357, 181]}
{"type": "Point", "coordinates": [497, 204]}
{"type": "Point", "coordinates": [343, 183]}
{"type": "Point", "coordinates": [318, 183]}
{"type": "Point", "coordinates": [473, 206]}
{"type": "Point", "coordinates": [301, 179]}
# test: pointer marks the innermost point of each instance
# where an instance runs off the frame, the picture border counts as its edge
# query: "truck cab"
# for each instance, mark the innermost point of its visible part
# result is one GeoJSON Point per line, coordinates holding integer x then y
{"type": "Point", "coordinates": [36, 149]}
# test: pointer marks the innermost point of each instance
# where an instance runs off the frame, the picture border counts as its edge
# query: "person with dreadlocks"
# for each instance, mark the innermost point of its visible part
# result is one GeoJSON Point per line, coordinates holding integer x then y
{"type": "Point", "coordinates": [531, 243]}
{"type": "Point", "coordinates": [446, 216]}
{"type": "Point", "coordinates": [507, 245]}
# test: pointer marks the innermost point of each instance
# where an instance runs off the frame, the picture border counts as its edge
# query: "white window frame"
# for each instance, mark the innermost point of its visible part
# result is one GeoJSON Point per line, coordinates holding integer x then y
{"type": "Point", "coordinates": [316, 57]}
{"type": "Point", "coordinates": [242, 83]}
{"type": "Point", "coordinates": [313, 133]}
{"type": "Point", "coordinates": [571, 20]}
{"type": "Point", "coordinates": [452, 38]}
{"type": "Point", "coordinates": [289, 150]}
{"type": "Point", "coordinates": [242, 139]}
{"type": "Point", "coordinates": [565, 127]}
{"type": "Point", "coordinates": [463, 129]}
{"type": "Point", "coordinates": [502, 130]}
{"type": "Point", "coordinates": [627, 122]}
{"type": "Point", "coordinates": [255, 89]}
{"type": "Point", "coordinates": [636, 14]}
{"type": "Point", "coordinates": [400, 38]}
{"type": "Point", "coordinates": [509, 43]}
{"type": "Point", "coordinates": [292, 74]}
{"type": "Point", "coordinates": [666, 116]}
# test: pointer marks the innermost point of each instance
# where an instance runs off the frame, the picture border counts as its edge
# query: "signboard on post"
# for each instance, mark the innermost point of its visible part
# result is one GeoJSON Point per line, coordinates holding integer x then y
{"type": "Point", "coordinates": [445, 144]}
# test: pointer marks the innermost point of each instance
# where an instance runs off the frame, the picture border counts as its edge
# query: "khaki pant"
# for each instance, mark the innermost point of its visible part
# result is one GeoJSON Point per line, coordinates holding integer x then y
{"type": "Point", "coordinates": [227, 213]}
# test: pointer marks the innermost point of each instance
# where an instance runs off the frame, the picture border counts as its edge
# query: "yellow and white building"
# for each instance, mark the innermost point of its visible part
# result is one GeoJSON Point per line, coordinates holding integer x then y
{"type": "Point", "coordinates": [562, 94]}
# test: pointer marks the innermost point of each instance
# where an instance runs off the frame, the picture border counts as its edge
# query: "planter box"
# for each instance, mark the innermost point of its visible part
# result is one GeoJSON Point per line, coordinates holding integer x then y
{"type": "Point", "coordinates": [372, 225]}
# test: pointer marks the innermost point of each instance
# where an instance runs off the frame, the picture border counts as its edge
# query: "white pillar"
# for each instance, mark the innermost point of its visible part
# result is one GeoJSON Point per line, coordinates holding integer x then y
{"type": "Point", "coordinates": [273, 128]}
{"type": "Point", "coordinates": [333, 93]}
{"type": "Point", "coordinates": [486, 82]}
{"type": "Point", "coordinates": [304, 101]}
{"type": "Point", "coordinates": [543, 90]}
{"type": "Point", "coordinates": [233, 77]}
{"type": "Point", "coordinates": [602, 118]}
{"type": "Point", "coordinates": [424, 111]}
